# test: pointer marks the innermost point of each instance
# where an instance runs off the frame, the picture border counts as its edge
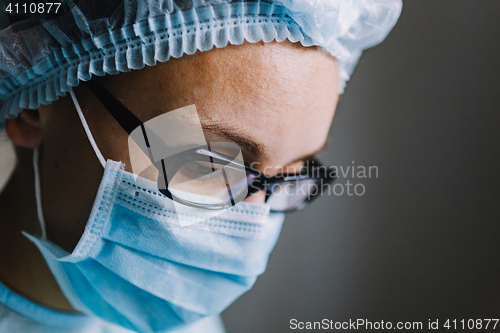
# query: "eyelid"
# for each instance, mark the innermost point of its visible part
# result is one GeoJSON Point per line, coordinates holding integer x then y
{"type": "Point", "coordinates": [231, 162]}
{"type": "Point", "coordinates": [210, 153]}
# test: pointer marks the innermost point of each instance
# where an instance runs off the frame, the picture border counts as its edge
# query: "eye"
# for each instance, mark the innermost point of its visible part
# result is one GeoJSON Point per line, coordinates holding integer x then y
{"type": "Point", "coordinates": [202, 171]}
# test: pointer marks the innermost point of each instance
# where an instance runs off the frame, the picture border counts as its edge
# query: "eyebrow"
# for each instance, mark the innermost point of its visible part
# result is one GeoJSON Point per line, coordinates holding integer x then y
{"type": "Point", "coordinates": [250, 145]}
{"type": "Point", "coordinates": [244, 142]}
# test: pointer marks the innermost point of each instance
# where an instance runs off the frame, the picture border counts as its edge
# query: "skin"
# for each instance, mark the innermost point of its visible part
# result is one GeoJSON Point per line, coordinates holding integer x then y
{"type": "Point", "coordinates": [277, 100]}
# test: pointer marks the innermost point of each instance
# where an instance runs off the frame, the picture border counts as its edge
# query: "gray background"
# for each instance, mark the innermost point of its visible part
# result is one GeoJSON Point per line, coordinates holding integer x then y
{"type": "Point", "coordinates": [422, 243]}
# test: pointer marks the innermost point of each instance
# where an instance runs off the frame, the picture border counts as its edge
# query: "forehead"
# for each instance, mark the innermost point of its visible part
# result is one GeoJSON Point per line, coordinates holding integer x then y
{"type": "Point", "coordinates": [279, 96]}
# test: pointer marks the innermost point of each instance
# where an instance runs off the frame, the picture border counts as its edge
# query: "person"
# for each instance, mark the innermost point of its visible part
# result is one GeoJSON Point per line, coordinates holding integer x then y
{"type": "Point", "coordinates": [84, 250]}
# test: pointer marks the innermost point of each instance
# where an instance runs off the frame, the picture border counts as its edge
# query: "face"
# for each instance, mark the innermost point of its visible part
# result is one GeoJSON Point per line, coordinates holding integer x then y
{"type": "Point", "coordinates": [275, 100]}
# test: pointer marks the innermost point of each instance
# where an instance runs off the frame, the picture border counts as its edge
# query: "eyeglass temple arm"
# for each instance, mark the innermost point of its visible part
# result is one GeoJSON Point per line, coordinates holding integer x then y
{"type": "Point", "coordinates": [127, 120]}
{"type": "Point", "coordinates": [122, 115]}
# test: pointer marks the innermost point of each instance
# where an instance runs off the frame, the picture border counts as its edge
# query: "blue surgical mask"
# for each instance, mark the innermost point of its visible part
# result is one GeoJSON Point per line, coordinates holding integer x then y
{"type": "Point", "coordinates": [137, 267]}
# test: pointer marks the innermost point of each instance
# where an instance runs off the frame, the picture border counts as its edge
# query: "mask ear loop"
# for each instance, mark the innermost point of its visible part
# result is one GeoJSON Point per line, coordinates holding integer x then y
{"type": "Point", "coordinates": [87, 129]}
{"type": "Point", "coordinates": [36, 158]}
{"type": "Point", "coordinates": [38, 193]}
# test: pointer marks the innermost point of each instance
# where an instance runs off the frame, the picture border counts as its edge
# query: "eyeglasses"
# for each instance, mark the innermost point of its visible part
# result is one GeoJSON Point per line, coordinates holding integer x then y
{"type": "Point", "coordinates": [203, 176]}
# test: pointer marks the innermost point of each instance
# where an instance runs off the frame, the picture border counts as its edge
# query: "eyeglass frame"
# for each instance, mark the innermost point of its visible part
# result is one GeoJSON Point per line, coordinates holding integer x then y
{"type": "Point", "coordinates": [130, 122]}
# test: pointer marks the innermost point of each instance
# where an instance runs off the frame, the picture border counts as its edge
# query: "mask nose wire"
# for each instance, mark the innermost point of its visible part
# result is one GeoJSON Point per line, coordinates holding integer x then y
{"type": "Point", "coordinates": [87, 129]}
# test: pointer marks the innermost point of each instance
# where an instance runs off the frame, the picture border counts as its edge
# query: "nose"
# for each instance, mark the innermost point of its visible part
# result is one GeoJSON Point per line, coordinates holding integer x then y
{"type": "Point", "coordinates": [257, 198]}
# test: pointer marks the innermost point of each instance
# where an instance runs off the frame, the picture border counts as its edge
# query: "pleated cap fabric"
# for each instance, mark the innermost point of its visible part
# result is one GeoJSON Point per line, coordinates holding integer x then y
{"type": "Point", "coordinates": [99, 37]}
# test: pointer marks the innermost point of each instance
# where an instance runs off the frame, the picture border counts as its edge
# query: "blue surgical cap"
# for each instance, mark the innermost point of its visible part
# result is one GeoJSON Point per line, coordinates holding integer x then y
{"type": "Point", "coordinates": [41, 59]}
